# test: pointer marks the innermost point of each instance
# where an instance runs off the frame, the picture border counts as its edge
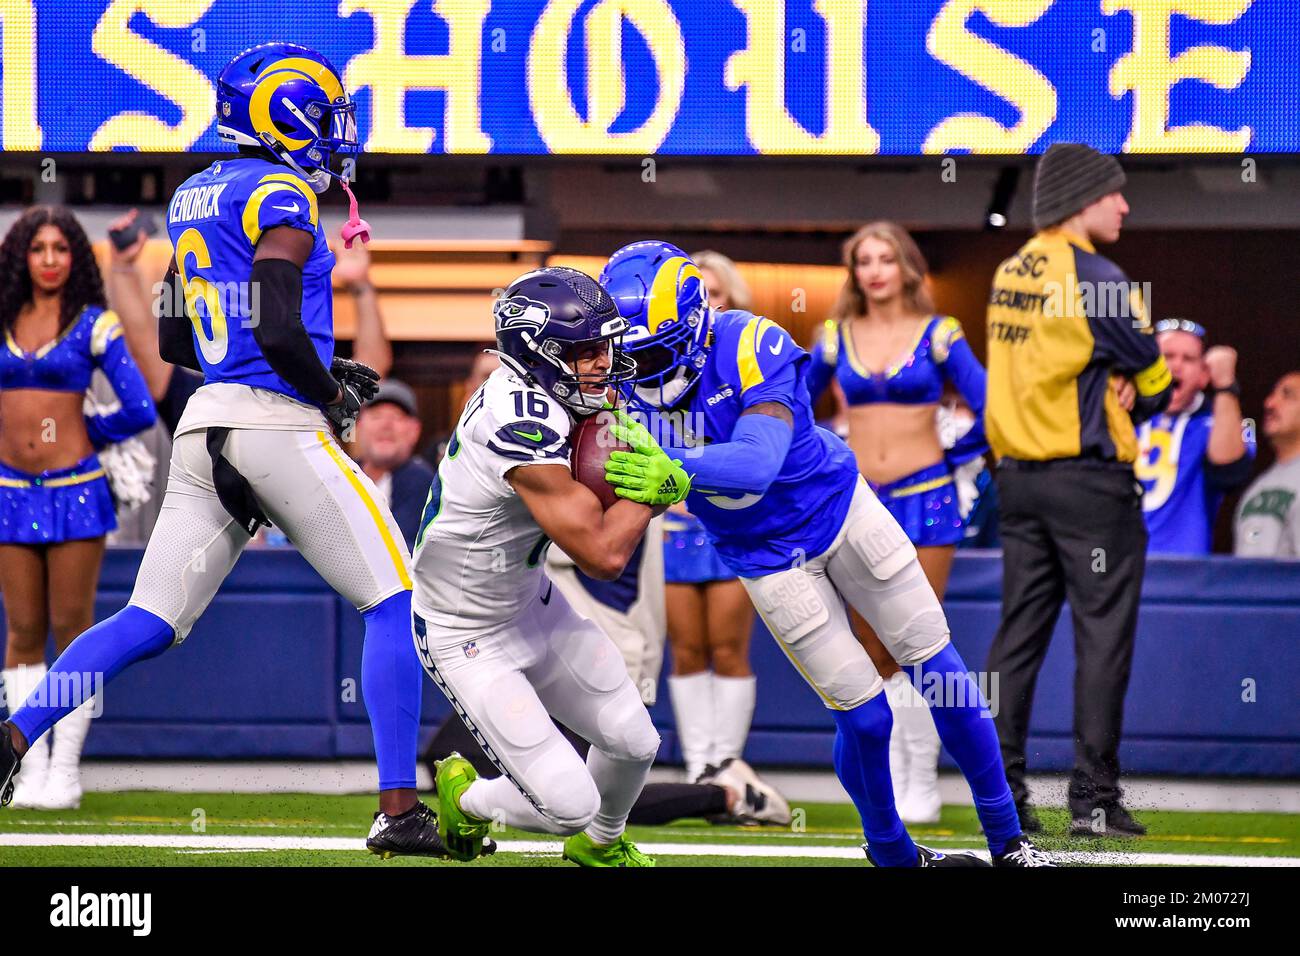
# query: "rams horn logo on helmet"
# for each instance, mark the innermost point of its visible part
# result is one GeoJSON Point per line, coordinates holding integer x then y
{"type": "Point", "coordinates": [521, 311]}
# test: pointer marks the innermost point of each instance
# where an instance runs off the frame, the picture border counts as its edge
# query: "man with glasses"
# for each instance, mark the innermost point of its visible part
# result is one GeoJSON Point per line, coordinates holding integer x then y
{"type": "Point", "coordinates": [1196, 450]}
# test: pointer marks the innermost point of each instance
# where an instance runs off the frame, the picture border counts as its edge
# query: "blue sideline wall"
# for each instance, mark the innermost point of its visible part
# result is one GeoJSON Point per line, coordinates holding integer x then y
{"type": "Point", "coordinates": [273, 671]}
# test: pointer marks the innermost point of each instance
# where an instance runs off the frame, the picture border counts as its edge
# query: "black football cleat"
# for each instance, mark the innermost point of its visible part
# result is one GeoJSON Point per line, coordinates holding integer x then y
{"type": "Point", "coordinates": [925, 857]}
{"type": "Point", "coordinates": [413, 833]}
{"type": "Point", "coordinates": [9, 763]}
{"type": "Point", "coordinates": [1113, 820]}
{"type": "Point", "coordinates": [1020, 852]}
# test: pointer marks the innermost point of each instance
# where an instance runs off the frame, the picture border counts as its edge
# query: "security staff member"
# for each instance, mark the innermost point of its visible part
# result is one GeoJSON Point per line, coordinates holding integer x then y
{"type": "Point", "coordinates": [1064, 325]}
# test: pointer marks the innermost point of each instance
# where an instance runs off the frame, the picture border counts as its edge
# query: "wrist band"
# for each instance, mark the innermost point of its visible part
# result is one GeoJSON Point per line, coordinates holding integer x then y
{"type": "Point", "coordinates": [1233, 389]}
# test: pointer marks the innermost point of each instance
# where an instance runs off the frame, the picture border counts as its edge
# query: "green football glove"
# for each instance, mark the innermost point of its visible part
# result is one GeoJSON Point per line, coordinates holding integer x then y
{"type": "Point", "coordinates": [629, 430]}
{"type": "Point", "coordinates": [653, 479]}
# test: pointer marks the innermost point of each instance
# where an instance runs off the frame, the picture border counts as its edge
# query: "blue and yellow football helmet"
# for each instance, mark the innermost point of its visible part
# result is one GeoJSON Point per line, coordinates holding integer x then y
{"type": "Point", "coordinates": [659, 290]}
{"type": "Point", "coordinates": [290, 101]}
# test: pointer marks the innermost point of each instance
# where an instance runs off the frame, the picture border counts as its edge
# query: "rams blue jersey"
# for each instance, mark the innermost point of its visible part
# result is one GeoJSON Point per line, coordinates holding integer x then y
{"type": "Point", "coordinates": [802, 511]}
{"type": "Point", "coordinates": [1182, 491]}
{"type": "Point", "coordinates": [215, 219]}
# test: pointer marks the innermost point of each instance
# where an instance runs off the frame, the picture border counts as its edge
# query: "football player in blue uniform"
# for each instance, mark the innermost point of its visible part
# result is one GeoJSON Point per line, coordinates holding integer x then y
{"type": "Point", "coordinates": [254, 446]}
{"type": "Point", "coordinates": [788, 512]}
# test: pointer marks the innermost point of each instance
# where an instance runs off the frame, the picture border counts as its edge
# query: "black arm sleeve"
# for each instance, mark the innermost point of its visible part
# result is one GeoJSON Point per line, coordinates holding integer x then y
{"type": "Point", "coordinates": [175, 334]}
{"type": "Point", "coordinates": [279, 331]}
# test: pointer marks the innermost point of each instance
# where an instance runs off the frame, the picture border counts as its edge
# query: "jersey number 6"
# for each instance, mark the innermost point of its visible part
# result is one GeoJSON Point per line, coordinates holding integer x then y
{"type": "Point", "coordinates": [193, 244]}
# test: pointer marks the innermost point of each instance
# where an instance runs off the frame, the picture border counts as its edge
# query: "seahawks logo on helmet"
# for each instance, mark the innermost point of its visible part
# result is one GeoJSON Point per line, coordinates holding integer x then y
{"type": "Point", "coordinates": [521, 312]}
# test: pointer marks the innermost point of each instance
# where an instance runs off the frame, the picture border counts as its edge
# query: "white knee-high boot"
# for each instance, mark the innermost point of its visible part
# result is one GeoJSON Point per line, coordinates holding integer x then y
{"type": "Point", "coordinates": [920, 802]}
{"type": "Point", "coordinates": [29, 785]}
{"type": "Point", "coordinates": [693, 712]}
{"type": "Point", "coordinates": [63, 787]}
{"type": "Point", "coordinates": [896, 688]}
{"type": "Point", "coordinates": [733, 711]}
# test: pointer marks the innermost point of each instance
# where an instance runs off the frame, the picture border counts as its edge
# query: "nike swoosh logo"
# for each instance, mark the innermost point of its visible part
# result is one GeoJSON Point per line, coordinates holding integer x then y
{"type": "Point", "coordinates": [293, 208]}
{"type": "Point", "coordinates": [780, 344]}
{"type": "Point", "coordinates": [531, 436]}
{"type": "Point", "coordinates": [549, 586]}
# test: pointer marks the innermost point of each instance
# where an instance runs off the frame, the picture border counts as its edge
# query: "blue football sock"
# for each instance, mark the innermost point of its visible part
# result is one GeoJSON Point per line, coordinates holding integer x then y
{"type": "Point", "coordinates": [391, 683]}
{"type": "Point", "coordinates": [862, 763]}
{"type": "Point", "coordinates": [91, 661]}
{"type": "Point", "coordinates": [961, 717]}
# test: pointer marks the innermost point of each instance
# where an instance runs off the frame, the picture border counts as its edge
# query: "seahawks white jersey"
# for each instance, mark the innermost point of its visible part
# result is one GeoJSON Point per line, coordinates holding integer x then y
{"type": "Point", "coordinates": [479, 553]}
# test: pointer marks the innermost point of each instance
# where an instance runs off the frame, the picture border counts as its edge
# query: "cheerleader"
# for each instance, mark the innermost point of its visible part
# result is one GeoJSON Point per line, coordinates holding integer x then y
{"type": "Point", "coordinates": [891, 355]}
{"type": "Point", "coordinates": [55, 502]}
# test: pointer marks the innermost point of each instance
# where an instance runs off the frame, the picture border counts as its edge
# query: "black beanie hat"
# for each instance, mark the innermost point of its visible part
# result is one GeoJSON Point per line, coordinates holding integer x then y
{"type": "Point", "coordinates": [1069, 177]}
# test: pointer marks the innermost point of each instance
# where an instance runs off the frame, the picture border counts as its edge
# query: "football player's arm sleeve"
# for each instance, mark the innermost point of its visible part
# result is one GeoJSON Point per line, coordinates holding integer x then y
{"type": "Point", "coordinates": [280, 334]}
{"type": "Point", "coordinates": [749, 461]}
{"type": "Point", "coordinates": [1125, 339]}
{"type": "Point", "coordinates": [137, 412]}
{"type": "Point", "coordinates": [175, 334]}
{"type": "Point", "coordinates": [963, 369]}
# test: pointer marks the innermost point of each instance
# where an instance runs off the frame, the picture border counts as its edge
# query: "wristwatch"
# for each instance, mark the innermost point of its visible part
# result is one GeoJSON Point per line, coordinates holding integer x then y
{"type": "Point", "coordinates": [1234, 388]}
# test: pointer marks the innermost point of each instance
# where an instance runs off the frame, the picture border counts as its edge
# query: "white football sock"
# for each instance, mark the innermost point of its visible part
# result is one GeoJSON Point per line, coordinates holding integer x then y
{"type": "Point", "coordinates": [620, 783]}
{"type": "Point", "coordinates": [733, 710]}
{"type": "Point", "coordinates": [692, 697]}
{"type": "Point", "coordinates": [19, 683]}
{"type": "Point", "coordinates": [70, 737]}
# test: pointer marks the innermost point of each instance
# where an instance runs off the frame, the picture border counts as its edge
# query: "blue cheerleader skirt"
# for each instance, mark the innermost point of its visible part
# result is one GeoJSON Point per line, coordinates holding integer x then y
{"type": "Point", "coordinates": [925, 504]}
{"type": "Point", "coordinates": [64, 504]}
{"type": "Point", "coordinates": [689, 557]}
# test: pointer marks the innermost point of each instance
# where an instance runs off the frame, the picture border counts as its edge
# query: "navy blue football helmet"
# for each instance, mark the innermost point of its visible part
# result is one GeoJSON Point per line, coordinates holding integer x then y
{"type": "Point", "coordinates": [549, 317]}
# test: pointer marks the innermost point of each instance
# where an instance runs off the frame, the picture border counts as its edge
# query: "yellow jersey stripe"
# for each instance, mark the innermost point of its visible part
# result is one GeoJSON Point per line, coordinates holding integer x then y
{"type": "Point", "coordinates": [393, 551]}
{"type": "Point", "coordinates": [747, 358]}
{"type": "Point", "coordinates": [273, 183]}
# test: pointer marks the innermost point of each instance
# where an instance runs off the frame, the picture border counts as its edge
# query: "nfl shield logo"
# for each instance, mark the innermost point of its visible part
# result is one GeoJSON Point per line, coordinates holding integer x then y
{"type": "Point", "coordinates": [470, 648]}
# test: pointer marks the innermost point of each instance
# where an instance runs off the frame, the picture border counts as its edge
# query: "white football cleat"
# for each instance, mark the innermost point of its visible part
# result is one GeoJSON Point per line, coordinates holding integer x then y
{"type": "Point", "coordinates": [759, 800]}
{"type": "Point", "coordinates": [29, 784]}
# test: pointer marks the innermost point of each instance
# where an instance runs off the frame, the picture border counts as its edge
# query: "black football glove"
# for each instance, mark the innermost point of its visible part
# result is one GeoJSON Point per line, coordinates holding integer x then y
{"type": "Point", "coordinates": [363, 378]}
{"type": "Point", "coordinates": [343, 413]}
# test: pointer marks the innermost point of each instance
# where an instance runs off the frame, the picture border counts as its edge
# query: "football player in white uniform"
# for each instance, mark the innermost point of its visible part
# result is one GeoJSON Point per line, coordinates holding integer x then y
{"type": "Point", "coordinates": [491, 629]}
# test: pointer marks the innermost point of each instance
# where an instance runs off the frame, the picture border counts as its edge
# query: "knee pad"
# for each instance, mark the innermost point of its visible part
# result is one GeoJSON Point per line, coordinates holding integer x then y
{"type": "Point", "coordinates": [626, 726]}
{"type": "Point", "coordinates": [569, 803]}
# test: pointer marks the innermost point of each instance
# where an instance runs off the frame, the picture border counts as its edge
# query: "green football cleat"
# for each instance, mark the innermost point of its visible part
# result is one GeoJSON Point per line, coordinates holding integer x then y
{"type": "Point", "coordinates": [461, 833]}
{"type": "Point", "coordinates": [584, 851]}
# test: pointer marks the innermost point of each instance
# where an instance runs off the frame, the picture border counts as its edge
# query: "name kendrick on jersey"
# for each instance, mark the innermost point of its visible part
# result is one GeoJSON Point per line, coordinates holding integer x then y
{"type": "Point", "coordinates": [197, 202]}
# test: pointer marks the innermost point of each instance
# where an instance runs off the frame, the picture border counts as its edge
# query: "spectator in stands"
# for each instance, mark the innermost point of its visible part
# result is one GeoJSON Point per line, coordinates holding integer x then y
{"type": "Point", "coordinates": [1268, 518]}
{"type": "Point", "coordinates": [483, 364]}
{"type": "Point", "coordinates": [388, 429]}
{"type": "Point", "coordinates": [891, 353]}
{"type": "Point", "coordinates": [1070, 503]}
{"type": "Point", "coordinates": [1196, 450]}
{"type": "Point", "coordinates": [55, 502]}
{"type": "Point", "coordinates": [710, 617]}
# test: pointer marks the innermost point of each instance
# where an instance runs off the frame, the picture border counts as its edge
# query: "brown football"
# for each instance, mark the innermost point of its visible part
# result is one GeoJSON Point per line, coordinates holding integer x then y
{"type": "Point", "coordinates": [592, 442]}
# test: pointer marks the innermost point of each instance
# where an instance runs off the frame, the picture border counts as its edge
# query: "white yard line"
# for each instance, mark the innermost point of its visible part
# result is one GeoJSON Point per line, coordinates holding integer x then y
{"type": "Point", "coordinates": [229, 844]}
{"type": "Point", "coordinates": [358, 776]}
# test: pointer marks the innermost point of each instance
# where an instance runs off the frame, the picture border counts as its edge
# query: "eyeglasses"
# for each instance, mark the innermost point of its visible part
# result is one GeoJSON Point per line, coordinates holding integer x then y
{"type": "Point", "coordinates": [1181, 325]}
